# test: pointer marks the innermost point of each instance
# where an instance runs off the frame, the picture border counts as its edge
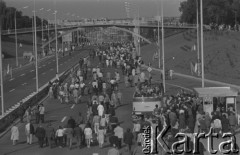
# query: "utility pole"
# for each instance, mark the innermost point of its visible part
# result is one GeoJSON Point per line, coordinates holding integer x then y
{"type": "Point", "coordinates": [198, 55]}
{"type": "Point", "coordinates": [56, 35]}
{"type": "Point", "coordinates": [163, 52]}
{"type": "Point", "coordinates": [35, 41]}
{"type": "Point", "coordinates": [202, 56]}
{"type": "Point", "coordinates": [16, 42]}
{"type": "Point", "coordinates": [159, 51]}
{"type": "Point", "coordinates": [1, 69]}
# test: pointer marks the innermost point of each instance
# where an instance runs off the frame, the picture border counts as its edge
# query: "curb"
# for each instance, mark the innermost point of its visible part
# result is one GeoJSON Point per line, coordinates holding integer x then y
{"type": "Point", "coordinates": [44, 99]}
{"type": "Point", "coordinates": [18, 121]}
{"type": "Point", "coordinates": [198, 79]}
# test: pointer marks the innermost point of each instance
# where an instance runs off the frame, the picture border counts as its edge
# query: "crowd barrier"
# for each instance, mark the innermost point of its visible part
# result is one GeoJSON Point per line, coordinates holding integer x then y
{"type": "Point", "coordinates": [30, 101]}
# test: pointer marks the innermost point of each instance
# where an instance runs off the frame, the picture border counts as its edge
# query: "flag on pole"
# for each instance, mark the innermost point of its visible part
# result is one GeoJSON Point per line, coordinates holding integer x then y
{"type": "Point", "coordinates": [193, 67]}
{"type": "Point", "coordinates": [194, 47]}
{"type": "Point", "coordinates": [8, 69]}
{"type": "Point", "coordinates": [11, 72]}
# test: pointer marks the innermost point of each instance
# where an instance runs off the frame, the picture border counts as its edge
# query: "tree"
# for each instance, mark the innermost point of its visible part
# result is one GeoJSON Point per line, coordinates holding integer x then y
{"type": "Point", "coordinates": [214, 11]}
{"type": "Point", "coordinates": [8, 18]}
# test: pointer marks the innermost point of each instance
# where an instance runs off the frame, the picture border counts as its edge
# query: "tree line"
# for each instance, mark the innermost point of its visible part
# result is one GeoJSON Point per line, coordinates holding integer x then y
{"type": "Point", "coordinates": [214, 11]}
{"type": "Point", "coordinates": [7, 15]}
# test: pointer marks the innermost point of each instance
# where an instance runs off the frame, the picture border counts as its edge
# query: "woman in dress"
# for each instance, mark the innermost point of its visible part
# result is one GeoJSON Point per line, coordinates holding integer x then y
{"type": "Point", "coordinates": [88, 135]}
{"type": "Point", "coordinates": [14, 134]}
{"type": "Point", "coordinates": [101, 134]}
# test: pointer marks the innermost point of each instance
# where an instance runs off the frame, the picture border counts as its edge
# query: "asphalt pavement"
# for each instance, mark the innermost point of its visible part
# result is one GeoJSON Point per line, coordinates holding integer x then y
{"type": "Point", "coordinates": [23, 82]}
{"type": "Point", "coordinates": [58, 114]}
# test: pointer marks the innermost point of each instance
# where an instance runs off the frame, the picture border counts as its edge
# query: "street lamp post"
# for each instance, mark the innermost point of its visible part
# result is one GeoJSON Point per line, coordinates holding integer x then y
{"type": "Point", "coordinates": [163, 52]}
{"type": "Point", "coordinates": [198, 55]}
{"type": "Point", "coordinates": [159, 52]}
{"type": "Point", "coordinates": [202, 56]}
{"type": "Point", "coordinates": [1, 73]}
{"type": "Point", "coordinates": [16, 42]}
{"type": "Point", "coordinates": [56, 35]}
{"type": "Point", "coordinates": [42, 30]}
{"type": "Point", "coordinates": [16, 37]}
{"type": "Point", "coordinates": [48, 33]}
{"type": "Point", "coordinates": [139, 39]}
{"type": "Point", "coordinates": [35, 38]}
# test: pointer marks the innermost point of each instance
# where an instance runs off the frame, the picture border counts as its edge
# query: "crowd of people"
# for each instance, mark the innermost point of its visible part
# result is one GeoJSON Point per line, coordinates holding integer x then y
{"type": "Point", "coordinates": [99, 87]}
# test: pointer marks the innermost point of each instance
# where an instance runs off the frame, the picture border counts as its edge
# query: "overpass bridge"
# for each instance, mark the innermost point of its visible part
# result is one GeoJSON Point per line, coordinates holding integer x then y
{"type": "Point", "coordinates": [121, 25]}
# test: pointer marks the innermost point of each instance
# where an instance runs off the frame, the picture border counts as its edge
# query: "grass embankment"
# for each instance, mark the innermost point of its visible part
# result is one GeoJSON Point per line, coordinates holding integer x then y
{"type": "Point", "coordinates": [221, 54]}
{"type": "Point", "coordinates": [9, 49]}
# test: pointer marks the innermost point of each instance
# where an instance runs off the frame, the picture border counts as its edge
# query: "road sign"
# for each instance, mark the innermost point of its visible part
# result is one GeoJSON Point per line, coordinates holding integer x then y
{"type": "Point", "coordinates": [149, 69]}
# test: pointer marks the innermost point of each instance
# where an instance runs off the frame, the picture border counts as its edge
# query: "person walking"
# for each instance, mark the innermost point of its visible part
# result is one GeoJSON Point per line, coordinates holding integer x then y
{"type": "Point", "coordinates": [29, 131]}
{"type": "Point", "coordinates": [59, 135]}
{"type": "Point", "coordinates": [41, 113]}
{"type": "Point", "coordinates": [37, 114]}
{"type": "Point", "coordinates": [78, 134]}
{"type": "Point", "coordinates": [100, 109]}
{"type": "Point", "coordinates": [69, 135]}
{"type": "Point", "coordinates": [88, 135]}
{"type": "Point", "coordinates": [50, 135]}
{"type": "Point", "coordinates": [14, 134]}
{"type": "Point", "coordinates": [118, 131]}
{"type": "Point", "coordinates": [128, 137]}
{"type": "Point", "coordinates": [136, 128]}
{"type": "Point", "coordinates": [40, 133]}
{"type": "Point", "coordinates": [71, 122]}
{"type": "Point", "coordinates": [28, 114]}
{"type": "Point", "coordinates": [101, 134]}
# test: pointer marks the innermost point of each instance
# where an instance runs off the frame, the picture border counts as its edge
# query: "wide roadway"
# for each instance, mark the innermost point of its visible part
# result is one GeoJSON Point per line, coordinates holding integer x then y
{"type": "Point", "coordinates": [23, 81]}
{"type": "Point", "coordinates": [58, 114]}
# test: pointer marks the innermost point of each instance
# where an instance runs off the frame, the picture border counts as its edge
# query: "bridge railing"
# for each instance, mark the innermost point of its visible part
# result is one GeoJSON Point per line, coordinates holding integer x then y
{"type": "Point", "coordinates": [33, 99]}
{"type": "Point", "coordinates": [114, 23]}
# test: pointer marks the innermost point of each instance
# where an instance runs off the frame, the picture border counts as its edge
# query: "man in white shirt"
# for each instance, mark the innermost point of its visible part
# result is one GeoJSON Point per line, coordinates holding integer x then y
{"type": "Point", "coordinates": [29, 130]}
{"type": "Point", "coordinates": [100, 109]}
{"type": "Point", "coordinates": [98, 70]}
{"type": "Point", "coordinates": [94, 70]}
{"type": "Point", "coordinates": [118, 131]}
{"type": "Point", "coordinates": [95, 84]}
{"type": "Point", "coordinates": [100, 75]}
{"type": "Point", "coordinates": [42, 111]}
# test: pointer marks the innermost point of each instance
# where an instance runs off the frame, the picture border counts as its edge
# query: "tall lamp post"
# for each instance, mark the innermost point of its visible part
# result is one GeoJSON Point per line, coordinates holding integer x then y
{"type": "Point", "coordinates": [159, 51]}
{"type": "Point", "coordinates": [198, 55]}
{"type": "Point", "coordinates": [202, 56]}
{"type": "Point", "coordinates": [1, 73]}
{"type": "Point", "coordinates": [42, 30]}
{"type": "Point", "coordinates": [35, 38]}
{"type": "Point", "coordinates": [48, 33]}
{"type": "Point", "coordinates": [16, 42]}
{"type": "Point", "coordinates": [56, 35]}
{"type": "Point", "coordinates": [163, 52]}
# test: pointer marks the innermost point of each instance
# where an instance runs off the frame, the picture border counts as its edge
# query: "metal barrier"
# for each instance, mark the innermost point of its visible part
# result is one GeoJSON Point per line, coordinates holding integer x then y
{"type": "Point", "coordinates": [30, 101]}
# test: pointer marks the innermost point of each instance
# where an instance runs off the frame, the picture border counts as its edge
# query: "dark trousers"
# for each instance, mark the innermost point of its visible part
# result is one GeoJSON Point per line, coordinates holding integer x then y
{"type": "Point", "coordinates": [49, 141]}
{"type": "Point", "coordinates": [60, 141]}
{"type": "Point", "coordinates": [79, 141]}
{"type": "Point", "coordinates": [41, 141]}
{"type": "Point", "coordinates": [129, 147]}
{"type": "Point", "coordinates": [42, 118]}
{"type": "Point", "coordinates": [119, 143]}
{"type": "Point", "coordinates": [37, 115]}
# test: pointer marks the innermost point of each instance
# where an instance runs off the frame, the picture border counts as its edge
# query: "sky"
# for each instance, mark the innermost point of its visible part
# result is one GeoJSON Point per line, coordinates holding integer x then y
{"type": "Point", "coordinates": [113, 9]}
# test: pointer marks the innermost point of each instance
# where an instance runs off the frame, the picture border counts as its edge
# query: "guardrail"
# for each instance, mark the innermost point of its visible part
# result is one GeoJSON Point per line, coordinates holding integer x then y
{"type": "Point", "coordinates": [19, 109]}
{"type": "Point", "coordinates": [24, 30]}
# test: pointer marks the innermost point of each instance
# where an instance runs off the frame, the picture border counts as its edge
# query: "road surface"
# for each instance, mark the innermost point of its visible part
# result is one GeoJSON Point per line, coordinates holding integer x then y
{"type": "Point", "coordinates": [23, 82]}
{"type": "Point", "coordinates": [58, 114]}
